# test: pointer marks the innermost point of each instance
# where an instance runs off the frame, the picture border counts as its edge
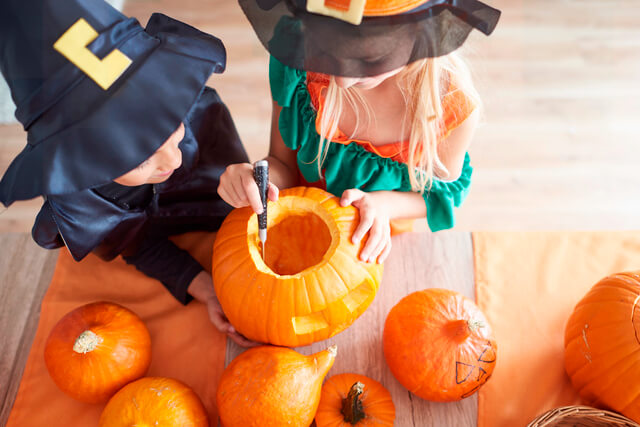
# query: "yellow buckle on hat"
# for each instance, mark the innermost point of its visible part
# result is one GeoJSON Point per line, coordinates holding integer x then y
{"type": "Point", "coordinates": [73, 46]}
{"type": "Point", "coordinates": [346, 10]}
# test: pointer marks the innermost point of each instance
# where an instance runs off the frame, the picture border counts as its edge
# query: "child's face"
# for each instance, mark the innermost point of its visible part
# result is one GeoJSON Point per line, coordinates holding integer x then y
{"type": "Point", "coordinates": [365, 83]}
{"type": "Point", "coordinates": [159, 167]}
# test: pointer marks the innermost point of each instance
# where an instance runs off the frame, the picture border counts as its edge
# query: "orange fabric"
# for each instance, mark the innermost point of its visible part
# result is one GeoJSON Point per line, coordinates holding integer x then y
{"type": "Point", "coordinates": [455, 105]}
{"type": "Point", "coordinates": [338, 4]}
{"type": "Point", "coordinates": [185, 345]}
{"type": "Point", "coordinates": [527, 284]}
{"type": "Point", "coordinates": [390, 7]}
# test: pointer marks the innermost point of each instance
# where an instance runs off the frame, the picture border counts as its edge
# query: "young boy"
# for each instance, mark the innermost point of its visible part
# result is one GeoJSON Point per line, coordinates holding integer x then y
{"type": "Point", "coordinates": [125, 143]}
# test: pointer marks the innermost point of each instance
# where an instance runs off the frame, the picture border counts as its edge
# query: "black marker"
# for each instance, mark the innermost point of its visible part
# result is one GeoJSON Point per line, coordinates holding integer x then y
{"type": "Point", "coordinates": [261, 175]}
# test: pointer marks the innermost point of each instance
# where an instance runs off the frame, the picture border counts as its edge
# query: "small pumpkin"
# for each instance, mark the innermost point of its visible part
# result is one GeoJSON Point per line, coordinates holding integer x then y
{"type": "Point", "coordinates": [439, 345]}
{"type": "Point", "coordinates": [272, 386]}
{"type": "Point", "coordinates": [154, 401]}
{"type": "Point", "coordinates": [602, 345]}
{"type": "Point", "coordinates": [96, 349]}
{"type": "Point", "coordinates": [311, 284]}
{"type": "Point", "coordinates": [354, 400]}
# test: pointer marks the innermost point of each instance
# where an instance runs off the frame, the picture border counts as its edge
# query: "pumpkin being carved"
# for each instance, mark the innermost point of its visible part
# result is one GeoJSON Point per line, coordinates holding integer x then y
{"type": "Point", "coordinates": [602, 345]}
{"type": "Point", "coordinates": [311, 284]}
{"type": "Point", "coordinates": [96, 349]}
{"type": "Point", "coordinates": [439, 345]}
{"type": "Point", "coordinates": [154, 401]}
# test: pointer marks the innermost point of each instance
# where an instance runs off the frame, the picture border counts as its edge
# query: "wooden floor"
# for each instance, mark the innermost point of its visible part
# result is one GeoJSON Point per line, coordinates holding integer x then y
{"type": "Point", "coordinates": [558, 148]}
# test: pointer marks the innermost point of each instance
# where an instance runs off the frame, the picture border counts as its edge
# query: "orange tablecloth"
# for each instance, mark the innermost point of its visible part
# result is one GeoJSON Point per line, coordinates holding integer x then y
{"type": "Point", "coordinates": [527, 284]}
{"type": "Point", "coordinates": [185, 345]}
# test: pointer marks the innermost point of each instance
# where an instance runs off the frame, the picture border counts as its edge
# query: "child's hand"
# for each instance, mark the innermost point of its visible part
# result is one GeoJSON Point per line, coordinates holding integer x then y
{"type": "Point", "coordinates": [239, 189]}
{"type": "Point", "coordinates": [201, 288]}
{"type": "Point", "coordinates": [374, 219]}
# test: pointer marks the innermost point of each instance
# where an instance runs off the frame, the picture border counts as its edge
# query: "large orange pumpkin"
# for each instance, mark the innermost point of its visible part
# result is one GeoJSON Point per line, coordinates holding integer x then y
{"type": "Point", "coordinates": [154, 401]}
{"type": "Point", "coordinates": [311, 284]}
{"type": "Point", "coordinates": [354, 400]}
{"type": "Point", "coordinates": [270, 386]}
{"type": "Point", "coordinates": [602, 344]}
{"type": "Point", "coordinates": [96, 349]}
{"type": "Point", "coordinates": [439, 345]}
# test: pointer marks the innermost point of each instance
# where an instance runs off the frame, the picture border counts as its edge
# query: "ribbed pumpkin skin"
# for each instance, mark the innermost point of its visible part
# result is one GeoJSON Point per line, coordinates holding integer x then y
{"type": "Point", "coordinates": [122, 355]}
{"type": "Point", "coordinates": [154, 401]}
{"type": "Point", "coordinates": [320, 286]}
{"type": "Point", "coordinates": [432, 351]}
{"type": "Point", "coordinates": [602, 346]}
{"type": "Point", "coordinates": [270, 386]}
{"type": "Point", "coordinates": [376, 402]}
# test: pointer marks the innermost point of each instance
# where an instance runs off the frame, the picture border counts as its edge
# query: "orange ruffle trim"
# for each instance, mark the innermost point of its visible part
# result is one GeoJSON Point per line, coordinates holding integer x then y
{"type": "Point", "coordinates": [456, 107]}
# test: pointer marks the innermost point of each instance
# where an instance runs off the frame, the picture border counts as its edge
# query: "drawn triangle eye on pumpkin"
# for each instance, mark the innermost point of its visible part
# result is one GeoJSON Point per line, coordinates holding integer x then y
{"type": "Point", "coordinates": [488, 355]}
{"type": "Point", "coordinates": [463, 371]}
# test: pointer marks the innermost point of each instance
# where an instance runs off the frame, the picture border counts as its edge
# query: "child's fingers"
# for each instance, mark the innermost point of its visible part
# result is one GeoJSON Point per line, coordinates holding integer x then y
{"type": "Point", "coordinates": [385, 237]}
{"type": "Point", "coordinates": [375, 243]}
{"type": "Point", "coordinates": [366, 221]}
{"type": "Point", "coordinates": [385, 252]}
{"type": "Point", "coordinates": [274, 192]}
{"type": "Point", "coordinates": [250, 189]}
{"type": "Point", "coordinates": [241, 340]}
{"type": "Point", "coordinates": [350, 195]}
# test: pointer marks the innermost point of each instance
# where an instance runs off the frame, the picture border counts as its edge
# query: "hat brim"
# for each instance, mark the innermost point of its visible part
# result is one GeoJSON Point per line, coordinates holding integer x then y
{"type": "Point", "coordinates": [117, 133]}
{"type": "Point", "coordinates": [379, 44]}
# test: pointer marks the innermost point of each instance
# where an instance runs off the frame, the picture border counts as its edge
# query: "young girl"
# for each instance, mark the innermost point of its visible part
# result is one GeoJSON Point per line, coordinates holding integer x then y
{"type": "Point", "coordinates": [370, 101]}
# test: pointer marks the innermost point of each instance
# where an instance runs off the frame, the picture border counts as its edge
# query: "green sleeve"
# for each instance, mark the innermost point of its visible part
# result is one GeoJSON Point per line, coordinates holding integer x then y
{"type": "Point", "coordinates": [444, 196]}
{"type": "Point", "coordinates": [352, 166]}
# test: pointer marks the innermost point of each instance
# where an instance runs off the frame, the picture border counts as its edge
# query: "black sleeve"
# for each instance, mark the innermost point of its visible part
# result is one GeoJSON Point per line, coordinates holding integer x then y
{"type": "Point", "coordinates": [161, 259]}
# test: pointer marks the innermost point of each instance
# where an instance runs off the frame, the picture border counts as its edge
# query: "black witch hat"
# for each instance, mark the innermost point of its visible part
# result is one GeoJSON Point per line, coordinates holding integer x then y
{"type": "Point", "coordinates": [97, 93]}
{"type": "Point", "coordinates": [358, 38]}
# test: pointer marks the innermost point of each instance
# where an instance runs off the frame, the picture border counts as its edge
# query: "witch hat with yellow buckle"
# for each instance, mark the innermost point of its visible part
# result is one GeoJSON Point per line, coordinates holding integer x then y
{"type": "Point", "coordinates": [96, 92]}
{"type": "Point", "coordinates": [358, 38]}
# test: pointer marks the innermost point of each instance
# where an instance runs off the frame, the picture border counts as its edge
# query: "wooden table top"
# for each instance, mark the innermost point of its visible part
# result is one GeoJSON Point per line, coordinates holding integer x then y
{"type": "Point", "coordinates": [417, 261]}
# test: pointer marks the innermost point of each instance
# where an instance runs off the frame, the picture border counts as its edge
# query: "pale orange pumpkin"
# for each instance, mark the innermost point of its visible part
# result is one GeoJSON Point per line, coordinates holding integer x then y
{"type": "Point", "coordinates": [96, 349]}
{"type": "Point", "coordinates": [311, 285]}
{"type": "Point", "coordinates": [602, 345]}
{"type": "Point", "coordinates": [154, 401]}
{"type": "Point", "coordinates": [270, 386]}
{"type": "Point", "coordinates": [354, 400]}
{"type": "Point", "coordinates": [439, 345]}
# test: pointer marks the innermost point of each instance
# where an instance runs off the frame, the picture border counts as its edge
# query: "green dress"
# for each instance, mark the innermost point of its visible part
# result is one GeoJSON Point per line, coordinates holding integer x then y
{"type": "Point", "coordinates": [351, 165]}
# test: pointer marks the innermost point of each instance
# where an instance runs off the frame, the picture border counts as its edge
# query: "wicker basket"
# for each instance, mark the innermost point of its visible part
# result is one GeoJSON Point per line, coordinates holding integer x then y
{"type": "Point", "coordinates": [581, 416]}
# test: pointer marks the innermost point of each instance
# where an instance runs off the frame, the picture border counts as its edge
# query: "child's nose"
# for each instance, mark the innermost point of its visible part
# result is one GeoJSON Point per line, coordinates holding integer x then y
{"type": "Point", "coordinates": [171, 158]}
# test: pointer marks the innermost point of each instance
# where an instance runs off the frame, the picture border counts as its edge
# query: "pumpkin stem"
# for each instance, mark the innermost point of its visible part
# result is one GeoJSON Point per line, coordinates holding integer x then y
{"type": "Point", "coordinates": [86, 342]}
{"type": "Point", "coordinates": [352, 410]}
{"type": "Point", "coordinates": [461, 329]}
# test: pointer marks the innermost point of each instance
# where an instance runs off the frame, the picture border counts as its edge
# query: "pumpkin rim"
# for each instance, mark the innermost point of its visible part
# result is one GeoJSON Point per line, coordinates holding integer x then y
{"type": "Point", "coordinates": [303, 204]}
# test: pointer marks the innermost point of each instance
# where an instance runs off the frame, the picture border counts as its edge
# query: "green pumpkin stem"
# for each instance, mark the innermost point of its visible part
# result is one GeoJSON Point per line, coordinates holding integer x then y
{"type": "Point", "coordinates": [352, 405]}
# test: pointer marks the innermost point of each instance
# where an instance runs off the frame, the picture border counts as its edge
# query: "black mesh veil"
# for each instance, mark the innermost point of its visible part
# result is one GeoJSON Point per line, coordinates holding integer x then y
{"type": "Point", "coordinates": [312, 42]}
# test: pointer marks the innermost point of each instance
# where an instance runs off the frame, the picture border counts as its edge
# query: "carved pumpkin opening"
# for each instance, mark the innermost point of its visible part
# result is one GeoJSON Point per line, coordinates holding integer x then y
{"type": "Point", "coordinates": [296, 242]}
{"type": "Point", "coordinates": [311, 284]}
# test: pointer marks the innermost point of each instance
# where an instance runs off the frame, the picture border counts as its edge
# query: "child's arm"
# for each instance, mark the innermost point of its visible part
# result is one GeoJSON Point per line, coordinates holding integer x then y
{"type": "Point", "coordinates": [237, 186]}
{"type": "Point", "coordinates": [452, 150]}
{"type": "Point", "coordinates": [201, 288]}
{"type": "Point", "coordinates": [379, 207]}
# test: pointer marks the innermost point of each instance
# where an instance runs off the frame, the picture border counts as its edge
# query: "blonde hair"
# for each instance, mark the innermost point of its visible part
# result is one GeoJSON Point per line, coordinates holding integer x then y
{"type": "Point", "coordinates": [423, 84]}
